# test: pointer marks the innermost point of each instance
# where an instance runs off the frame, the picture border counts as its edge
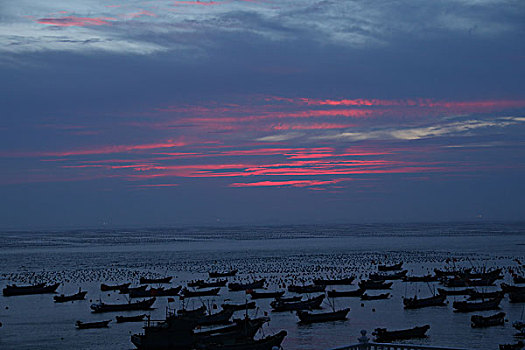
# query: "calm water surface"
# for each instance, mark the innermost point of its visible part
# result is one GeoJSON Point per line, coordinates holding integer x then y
{"type": "Point", "coordinates": [85, 258]}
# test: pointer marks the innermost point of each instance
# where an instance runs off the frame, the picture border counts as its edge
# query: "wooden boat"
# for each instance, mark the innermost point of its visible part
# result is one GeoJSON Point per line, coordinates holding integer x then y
{"type": "Point", "coordinates": [482, 282]}
{"type": "Point", "coordinates": [139, 305]}
{"type": "Point", "coordinates": [425, 278]}
{"type": "Point", "coordinates": [212, 284]}
{"type": "Point", "coordinates": [308, 304]}
{"type": "Point", "coordinates": [387, 276]}
{"type": "Point", "coordinates": [235, 287]}
{"type": "Point", "coordinates": [484, 274]}
{"type": "Point", "coordinates": [288, 299]}
{"type": "Point", "coordinates": [146, 280]}
{"type": "Point", "coordinates": [266, 295]}
{"type": "Point", "coordinates": [468, 306]}
{"type": "Point", "coordinates": [517, 346]}
{"type": "Point", "coordinates": [449, 273]}
{"type": "Point", "coordinates": [175, 333]}
{"type": "Point", "coordinates": [382, 335]}
{"type": "Point", "coordinates": [308, 317]}
{"type": "Point", "coordinates": [201, 311]}
{"type": "Point", "coordinates": [247, 325]}
{"type": "Point", "coordinates": [334, 282]}
{"type": "Point", "coordinates": [467, 291]}
{"type": "Point", "coordinates": [156, 292]}
{"type": "Point", "coordinates": [237, 307]}
{"type": "Point", "coordinates": [375, 297]}
{"type": "Point", "coordinates": [478, 321]}
{"type": "Point", "coordinates": [307, 289]}
{"type": "Point", "coordinates": [240, 332]}
{"type": "Point", "coordinates": [221, 317]}
{"type": "Point", "coordinates": [345, 293]}
{"type": "Point", "coordinates": [137, 318]}
{"type": "Point", "coordinates": [518, 279]}
{"type": "Point", "coordinates": [216, 274]}
{"type": "Point", "coordinates": [133, 290]}
{"type": "Point", "coordinates": [369, 284]}
{"type": "Point", "coordinates": [507, 288]}
{"type": "Point", "coordinates": [64, 298]}
{"type": "Point", "coordinates": [41, 288]}
{"type": "Point", "coordinates": [186, 293]}
{"type": "Point", "coordinates": [515, 297]}
{"type": "Point", "coordinates": [418, 303]}
{"type": "Point", "coordinates": [485, 295]}
{"type": "Point", "coordinates": [87, 325]}
{"type": "Point", "coordinates": [455, 282]}
{"type": "Point", "coordinates": [119, 287]}
{"type": "Point", "coordinates": [267, 343]}
{"type": "Point", "coordinates": [394, 267]}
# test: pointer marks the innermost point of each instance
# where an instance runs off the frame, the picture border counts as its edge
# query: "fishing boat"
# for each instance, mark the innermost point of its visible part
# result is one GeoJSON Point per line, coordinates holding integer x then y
{"type": "Point", "coordinates": [267, 343]}
{"type": "Point", "coordinates": [482, 282]}
{"type": "Point", "coordinates": [236, 287]}
{"type": "Point", "coordinates": [119, 287]}
{"type": "Point", "coordinates": [308, 317]}
{"type": "Point", "coordinates": [41, 288]}
{"type": "Point", "coordinates": [288, 299]}
{"type": "Point", "coordinates": [88, 325]}
{"type": "Point", "coordinates": [467, 291]}
{"type": "Point", "coordinates": [388, 276]}
{"type": "Point", "coordinates": [516, 346]}
{"type": "Point", "coordinates": [515, 297]}
{"type": "Point", "coordinates": [221, 317]}
{"type": "Point", "coordinates": [186, 293]}
{"type": "Point", "coordinates": [449, 273]}
{"type": "Point", "coordinates": [334, 281]}
{"type": "Point", "coordinates": [485, 295]}
{"type": "Point", "coordinates": [242, 330]}
{"type": "Point", "coordinates": [137, 318]}
{"type": "Point", "coordinates": [308, 304]}
{"type": "Point", "coordinates": [237, 307]}
{"type": "Point", "coordinates": [507, 288]}
{"type": "Point", "coordinates": [216, 274]}
{"type": "Point", "coordinates": [307, 289]}
{"type": "Point", "coordinates": [146, 280]}
{"type": "Point", "coordinates": [139, 305]}
{"type": "Point", "coordinates": [345, 293]}
{"type": "Point", "coordinates": [174, 333]}
{"type": "Point", "coordinates": [484, 274]}
{"type": "Point", "coordinates": [156, 292]}
{"type": "Point", "coordinates": [195, 313]}
{"type": "Point", "coordinates": [375, 297]}
{"type": "Point", "coordinates": [418, 303]}
{"type": "Point", "coordinates": [212, 284]}
{"type": "Point", "coordinates": [425, 278]}
{"type": "Point", "coordinates": [65, 298]}
{"type": "Point", "coordinates": [383, 335]}
{"type": "Point", "coordinates": [478, 321]}
{"type": "Point", "coordinates": [518, 279]}
{"type": "Point", "coordinates": [394, 267]}
{"type": "Point", "coordinates": [133, 290]}
{"type": "Point", "coordinates": [265, 295]}
{"type": "Point", "coordinates": [370, 284]}
{"type": "Point", "coordinates": [468, 306]}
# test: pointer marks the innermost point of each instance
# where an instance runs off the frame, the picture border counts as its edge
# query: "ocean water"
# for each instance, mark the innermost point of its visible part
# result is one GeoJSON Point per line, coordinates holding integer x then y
{"type": "Point", "coordinates": [282, 254]}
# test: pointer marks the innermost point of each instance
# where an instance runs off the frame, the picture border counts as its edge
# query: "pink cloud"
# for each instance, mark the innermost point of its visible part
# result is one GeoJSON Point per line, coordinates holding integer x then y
{"type": "Point", "coordinates": [116, 149]}
{"type": "Point", "coordinates": [293, 183]}
{"type": "Point", "coordinates": [73, 21]}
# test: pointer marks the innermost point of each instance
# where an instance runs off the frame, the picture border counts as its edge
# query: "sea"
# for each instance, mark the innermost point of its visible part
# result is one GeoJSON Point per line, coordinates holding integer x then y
{"type": "Point", "coordinates": [284, 255]}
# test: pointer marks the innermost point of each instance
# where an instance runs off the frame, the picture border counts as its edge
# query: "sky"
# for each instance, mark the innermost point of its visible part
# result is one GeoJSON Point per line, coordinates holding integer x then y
{"type": "Point", "coordinates": [151, 113]}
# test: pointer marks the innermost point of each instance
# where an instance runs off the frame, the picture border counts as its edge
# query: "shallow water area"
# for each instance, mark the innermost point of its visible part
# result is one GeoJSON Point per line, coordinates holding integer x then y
{"type": "Point", "coordinates": [283, 255]}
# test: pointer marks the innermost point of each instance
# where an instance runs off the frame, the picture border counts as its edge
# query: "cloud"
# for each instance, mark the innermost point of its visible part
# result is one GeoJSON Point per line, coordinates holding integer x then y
{"type": "Point", "coordinates": [416, 133]}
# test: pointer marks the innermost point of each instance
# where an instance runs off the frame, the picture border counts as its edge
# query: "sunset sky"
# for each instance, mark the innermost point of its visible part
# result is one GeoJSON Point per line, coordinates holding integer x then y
{"type": "Point", "coordinates": [146, 113]}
